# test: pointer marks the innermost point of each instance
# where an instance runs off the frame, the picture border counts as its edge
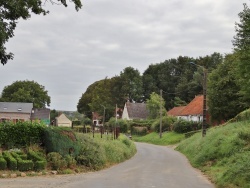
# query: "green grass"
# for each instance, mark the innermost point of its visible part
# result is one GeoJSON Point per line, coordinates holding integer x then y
{"type": "Point", "coordinates": [168, 138]}
{"type": "Point", "coordinates": [102, 152]}
{"type": "Point", "coordinates": [223, 154]}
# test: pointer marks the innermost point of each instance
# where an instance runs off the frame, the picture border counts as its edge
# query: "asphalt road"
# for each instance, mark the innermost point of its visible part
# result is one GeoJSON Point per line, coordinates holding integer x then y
{"type": "Point", "coordinates": [152, 167]}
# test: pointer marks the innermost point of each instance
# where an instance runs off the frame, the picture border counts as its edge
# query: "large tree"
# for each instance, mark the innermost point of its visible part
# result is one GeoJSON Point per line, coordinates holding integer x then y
{"type": "Point", "coordinates": [131, 84]}
{"type": "Point", "coordinates": [12, 10]}
{"type": "Point", "coordinates": [26, 91]}
{"type": "Point", "coordinates": [241, 44]}
{"type": "Point", "coordinates": [224, 99]}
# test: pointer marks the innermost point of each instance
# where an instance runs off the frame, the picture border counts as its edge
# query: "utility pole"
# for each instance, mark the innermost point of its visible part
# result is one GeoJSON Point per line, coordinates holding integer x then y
{"type": "Point", "coordinates": [103, 121]}
{"type": "Point", "coordinates": [204, 120]}
{"type": "Point", "coordinates": [115, 121]}
{"type": "Point", "coordinates": [204, 112]}
{"type": "Point", "coordinates": [161, 114]}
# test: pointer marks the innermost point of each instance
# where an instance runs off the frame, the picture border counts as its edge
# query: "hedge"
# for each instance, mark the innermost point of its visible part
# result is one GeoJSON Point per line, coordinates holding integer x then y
{"type": "Point", "coordinates": [20, 134]}
{"type": "Point", "coordinates": [61, 140]}
{"type": "Point", "coordinates": [11, 161]}
{"type": "Point", "coordinates": [3, 163]}
{"type": "Point", "coordinates": [40, 163]}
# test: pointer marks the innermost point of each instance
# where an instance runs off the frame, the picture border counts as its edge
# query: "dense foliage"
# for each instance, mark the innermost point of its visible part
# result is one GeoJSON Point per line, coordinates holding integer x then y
{"type": "Point", "coordinates": [225, 100]}
{"type": "Point", "coordinates": [60, 140]}
{"type": "Point", "coordinates": [20, 134]}
{"type": "Point", "coordinates": [26, 91]}
{"type": "Point", "coordinates": [241, 43]}
{"type": "Point", "coordinates": [183, 126]}
{"type": "Point", "coordinates": [12, 10]}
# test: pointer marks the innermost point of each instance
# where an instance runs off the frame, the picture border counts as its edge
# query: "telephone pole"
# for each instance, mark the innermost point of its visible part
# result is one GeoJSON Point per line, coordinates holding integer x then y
{"type": "Point", "coordinates": [161, 113]}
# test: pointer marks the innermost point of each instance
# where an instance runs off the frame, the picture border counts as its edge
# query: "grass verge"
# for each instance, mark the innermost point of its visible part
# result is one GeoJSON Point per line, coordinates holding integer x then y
{"type": "Point", "coordinates": [223, 154]}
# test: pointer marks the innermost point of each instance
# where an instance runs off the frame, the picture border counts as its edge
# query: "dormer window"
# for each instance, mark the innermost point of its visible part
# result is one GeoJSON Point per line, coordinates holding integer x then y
{"type": "Point", "coordinates": [5, 108]}
{"type": "Point", "coordinates": [19, 109]}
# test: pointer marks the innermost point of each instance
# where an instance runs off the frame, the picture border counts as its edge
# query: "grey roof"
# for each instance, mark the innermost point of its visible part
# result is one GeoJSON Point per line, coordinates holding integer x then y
{"type": "Point", "coordinates": [137, 110]}
{"type": "Point", "coordinates": [41, 113]}
{"type": "Point", "coordinates": [16, 107]}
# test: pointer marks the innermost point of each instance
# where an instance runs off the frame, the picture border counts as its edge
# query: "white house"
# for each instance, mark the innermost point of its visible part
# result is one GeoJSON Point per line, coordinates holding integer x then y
{"type": "Point", "coordinates": [135, 111]}
{"type": "Point", "coordinates": [192, 112]}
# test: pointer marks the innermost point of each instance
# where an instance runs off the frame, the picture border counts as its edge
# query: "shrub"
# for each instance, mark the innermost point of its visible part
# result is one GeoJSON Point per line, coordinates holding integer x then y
{"type": "Point", "coordinates": [184, 126]}
{"type": "Point", "coordinates": [35, 156]}
{"type": "Point", "coordinates": [71, 162]}
{"type": "Point", "coordinates": [40, 162]}
{"type": "Point", "coordinates": [56, 161]}
{"type": "Point", "coordinates": [139, 130]}
{"type": "Point", "coordinates": [11, 161]}
{"type": "Point", "coordinates": [167, 122]}
{"type": "Point", "coordinates": [24, 165]}
{"type": "Point", "coordinates": [3, 163]}
{"type": "Point", "coordinates": [123, 124]}
{"type": "Point", "coordinates": [91, 153]}
{"type": "Point", "coordinates": [61, 140]}
{"type": "Point", "coordinates": [40, 165]}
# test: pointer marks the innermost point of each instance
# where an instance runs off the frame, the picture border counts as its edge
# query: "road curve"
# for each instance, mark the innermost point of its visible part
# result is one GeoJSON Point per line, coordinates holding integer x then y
{"type": "Point", "coordinates": [152, 167]}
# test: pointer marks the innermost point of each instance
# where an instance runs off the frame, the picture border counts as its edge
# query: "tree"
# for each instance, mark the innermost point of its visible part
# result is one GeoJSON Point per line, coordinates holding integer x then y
{"type": "Point", "coordinates": [154, 105]}
{"type": "Point", "coordinates": [97, 96]}
{"type": "Point", "coordinates": [26, 91]}
{"type": "Point", "coordinates": [224, 99]}
{"type": "Point", "coordinates": [131, 84]}
{"type": "Point", "coordinates": [241, 44]}
{"type": "Point", "coordinates": [12, 10]}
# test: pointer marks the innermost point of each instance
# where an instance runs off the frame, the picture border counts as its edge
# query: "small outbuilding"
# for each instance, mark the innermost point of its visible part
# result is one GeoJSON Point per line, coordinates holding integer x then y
{"type": "Point", "coordinates": [63, 121]}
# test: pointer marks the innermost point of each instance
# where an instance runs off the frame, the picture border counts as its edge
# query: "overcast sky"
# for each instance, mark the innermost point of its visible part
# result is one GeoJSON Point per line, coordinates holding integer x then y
{"type": "Point", "coordinates": [66, 51]}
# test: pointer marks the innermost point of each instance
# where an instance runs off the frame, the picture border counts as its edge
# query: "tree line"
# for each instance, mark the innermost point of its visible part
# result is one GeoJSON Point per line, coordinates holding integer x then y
{"type": "Point", "coordinates": [228, 81]}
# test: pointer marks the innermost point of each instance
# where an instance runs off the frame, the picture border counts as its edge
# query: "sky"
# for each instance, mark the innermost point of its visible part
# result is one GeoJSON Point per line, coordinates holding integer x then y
{"type": "Point", "coordinates": [66, 51]}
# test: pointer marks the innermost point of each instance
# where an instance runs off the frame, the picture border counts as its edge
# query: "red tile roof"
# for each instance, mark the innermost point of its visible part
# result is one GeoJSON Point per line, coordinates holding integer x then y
{"type": "Point", "coordinates": [195, 107]}
{"type": "Point", "coordinates": [176, 111]}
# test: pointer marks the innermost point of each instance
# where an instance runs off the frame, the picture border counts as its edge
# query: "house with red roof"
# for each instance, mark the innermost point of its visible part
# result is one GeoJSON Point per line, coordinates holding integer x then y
{"type": "Point", "coordinates": [176, 111]}
{"type": "Point", "coordinates": [192, 112]}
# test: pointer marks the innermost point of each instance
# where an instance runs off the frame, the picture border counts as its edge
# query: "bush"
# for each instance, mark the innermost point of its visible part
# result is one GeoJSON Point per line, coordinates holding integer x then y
{"type": "Point", "coordinates": [40, 162]}
{"type": "Point", "coordinates": [56, 161]}
{"type": "Point", "coordinates": [123, 124]}
{"type": "Point", "coordinates": [40, 165]}
{"type": "Point", "coordinates": [184, 126]}
{"type": "Point", "coordinates": [71, 162]}
{"type": "Point", "coordinates": [35, 156]}
{"type": "Point", "coordinates": [91, 153]}
{"type": "Point", "coordinates": [61, 140]}
{"type": "Point", "coordinates": [11, 161]}
{"type": "Point", "coordinates": [24, 165]}
{"type": "Point", "coordinates": [139, 130]}
{"type": "Point", "coordinates": [3, 163]}
{"type": "Point", "coordinates": [167, 123]}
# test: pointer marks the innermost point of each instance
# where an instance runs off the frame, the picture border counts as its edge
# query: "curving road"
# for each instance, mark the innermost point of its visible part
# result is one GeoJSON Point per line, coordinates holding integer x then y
{"type": "Point", "coordinates": [152, 167]}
